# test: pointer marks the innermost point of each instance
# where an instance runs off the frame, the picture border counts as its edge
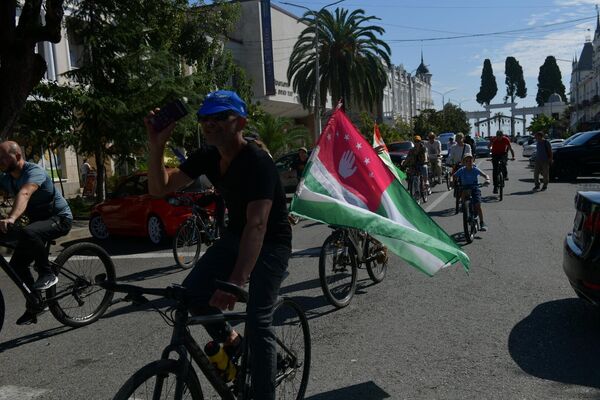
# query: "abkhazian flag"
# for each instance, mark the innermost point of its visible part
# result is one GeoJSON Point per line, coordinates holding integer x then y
{"type": "Point", "coordinates": [382, 151]}
{"type": "Point", "coordinates": [345, 183]}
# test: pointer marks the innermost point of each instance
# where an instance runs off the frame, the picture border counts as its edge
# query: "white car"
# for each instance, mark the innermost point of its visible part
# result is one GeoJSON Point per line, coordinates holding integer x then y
{"type": "Point", "coordinates": [529, 149]}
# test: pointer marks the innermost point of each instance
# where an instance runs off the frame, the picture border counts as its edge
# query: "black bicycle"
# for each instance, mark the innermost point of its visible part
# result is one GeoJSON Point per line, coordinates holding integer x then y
{"type": "Point", "coordinates": [500, 177]}
{"type": "Point", "coordinates": [77, 299]}
{"type": "Point", "coordinates": [201, 227]}
{"type": "Point", "coordinates": [175, 378]}
{"type": "Point", "coordinates": [342, 253]}
{"type": "Point", "coordinates": [417, 187]}
{"type": "Point", "coordinates": [470, 216]}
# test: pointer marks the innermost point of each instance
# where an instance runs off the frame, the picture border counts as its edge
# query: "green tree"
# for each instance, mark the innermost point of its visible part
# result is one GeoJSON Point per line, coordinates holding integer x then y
{"type": "Point", "coordinates": [352, 59]}
{"type": "Point", "coordinates": [549, 81]}
{"type": "Point", "coordinates": [427, 121]}
{"type": "Point", "coordinates": [540, 122]}
{"type": "Point", "coordinates": [449, 119]}
{"type": "Point", "coordinates": [515, 83]}
{"type": "Point", "coordinates": [135, 59]}
{"type": "Point", "coordinates": [21, 67]}
{"type": "Point", "coordinates": [279, 134]}
{"type": "Point", "coordinates": [488, 88]}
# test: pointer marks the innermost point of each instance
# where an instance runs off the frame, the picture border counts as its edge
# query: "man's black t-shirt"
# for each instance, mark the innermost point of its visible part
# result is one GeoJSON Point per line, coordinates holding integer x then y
{"type": "Point", "coordinates": [251, 176]}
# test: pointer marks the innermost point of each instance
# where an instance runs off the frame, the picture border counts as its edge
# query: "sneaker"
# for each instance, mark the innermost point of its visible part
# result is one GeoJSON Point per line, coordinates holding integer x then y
{"type": "Point", "coordinates": [30, 316]}
{"type": "Point", "coordinates": [536, 188]}
{"type": "Point", "coordinates": [544, 187]}
{"type": "Point", "coordinates": [506, 178]}
{"type": "Point", "coordinates": [483, 227]}
{"type": "Point", "coordinates": [495, 190]}
{"type": "Point", "coordinates": [45, 281]}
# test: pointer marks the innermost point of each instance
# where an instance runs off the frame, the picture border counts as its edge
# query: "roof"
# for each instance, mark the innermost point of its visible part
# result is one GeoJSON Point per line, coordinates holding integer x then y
{"type": "Point", "coordinates": [585, 59]}
{"type": "Point", "coordinates": [422, 69]}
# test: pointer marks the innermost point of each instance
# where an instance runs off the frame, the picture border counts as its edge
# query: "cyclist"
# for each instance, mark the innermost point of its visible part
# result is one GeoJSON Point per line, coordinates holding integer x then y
{"type": "Point", "coordinates": [49, 218]}
{"type": "Point", "coordinates": [434, 154]}
{"type": "Point", "coordinates": [458, 152]}
{"type": "Point", "coordinates": [256, 244]}
{"type": "Point", "coordinates": [468, 175]}
{"type": "Point", "coordinates": [500, 147]}
{"type": "Point", "coordinates": [471, 142]}
{"type": "Point", "coordinates": [416, 160]}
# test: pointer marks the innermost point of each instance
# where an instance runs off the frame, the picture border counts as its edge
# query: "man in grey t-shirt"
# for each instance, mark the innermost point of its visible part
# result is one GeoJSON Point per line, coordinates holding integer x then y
{"type": "Point", "coordinates": [543, 159]}
{"type": "Point", "coordinates": [49, 218]}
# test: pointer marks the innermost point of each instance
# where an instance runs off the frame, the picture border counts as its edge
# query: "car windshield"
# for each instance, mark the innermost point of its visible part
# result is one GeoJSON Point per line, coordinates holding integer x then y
{"type": "Point", "coordinates": [570, 139]}
{"type": "Point", "coordinates": [583, 138]}
{"type": "Point", "coordinates": [400, 146]}
{"type": "Point", "coordinates": [482, 143]}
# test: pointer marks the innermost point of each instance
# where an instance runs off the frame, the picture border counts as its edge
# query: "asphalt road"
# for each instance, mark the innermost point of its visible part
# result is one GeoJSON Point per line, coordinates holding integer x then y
{"type": "Point", "coordinates": [510, 328]}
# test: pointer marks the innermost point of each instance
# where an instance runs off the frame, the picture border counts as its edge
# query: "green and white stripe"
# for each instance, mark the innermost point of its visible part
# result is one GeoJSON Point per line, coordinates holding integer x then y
{"type": "Point", "coordinates": [399, 223]}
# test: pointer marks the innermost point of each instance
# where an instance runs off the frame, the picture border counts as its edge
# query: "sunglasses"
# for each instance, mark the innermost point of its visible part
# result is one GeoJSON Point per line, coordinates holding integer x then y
{"type": "Point", "coordinates": [218, 117]}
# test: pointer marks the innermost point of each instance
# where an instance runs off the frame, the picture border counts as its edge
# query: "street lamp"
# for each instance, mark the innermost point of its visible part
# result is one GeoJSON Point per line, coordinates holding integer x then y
{"type": "Point", "coordinates": [317, 72]}
{"type": "Point", "coordinates": [443, 95]}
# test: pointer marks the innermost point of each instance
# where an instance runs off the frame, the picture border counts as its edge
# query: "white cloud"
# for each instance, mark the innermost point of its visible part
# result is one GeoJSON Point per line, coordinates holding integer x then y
{"type": "Point", "coordinates": [571, 3]}
{"type": "Point", "coordinates": [535, 18]}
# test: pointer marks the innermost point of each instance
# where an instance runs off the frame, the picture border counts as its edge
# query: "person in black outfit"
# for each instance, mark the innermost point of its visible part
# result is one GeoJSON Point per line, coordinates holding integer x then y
{"type": "Point", "coordinates": [256, 244]}
{"type": "Point", "coordinates": [300, 162]}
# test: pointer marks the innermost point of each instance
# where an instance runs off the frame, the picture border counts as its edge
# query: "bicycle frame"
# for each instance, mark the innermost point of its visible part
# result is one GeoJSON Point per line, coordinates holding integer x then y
{"type": "Point", "coordinates": [12, 274]}
{"type": "Point", "coordinates": [358, 239]}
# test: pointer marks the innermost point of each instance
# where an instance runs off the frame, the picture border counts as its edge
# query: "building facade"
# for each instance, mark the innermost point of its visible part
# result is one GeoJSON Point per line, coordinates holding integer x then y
{"type": "Point", "coordinates": [406, 95]}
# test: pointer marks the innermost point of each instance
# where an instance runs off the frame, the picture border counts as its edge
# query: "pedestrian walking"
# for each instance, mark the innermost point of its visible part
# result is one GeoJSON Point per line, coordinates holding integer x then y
{"type": "Point", "coordinates": [85, 170]}
{"type": "Point", "coordinates": [543, 159]}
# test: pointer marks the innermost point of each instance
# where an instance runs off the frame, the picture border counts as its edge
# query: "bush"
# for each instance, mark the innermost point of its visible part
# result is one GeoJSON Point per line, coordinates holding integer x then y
{"type": "Point", "coordinates": [80, 207]}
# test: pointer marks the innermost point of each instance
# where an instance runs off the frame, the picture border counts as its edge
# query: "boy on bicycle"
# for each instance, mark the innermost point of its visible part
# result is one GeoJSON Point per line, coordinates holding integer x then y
{"type": "Point", "coordinates": [468, 175]}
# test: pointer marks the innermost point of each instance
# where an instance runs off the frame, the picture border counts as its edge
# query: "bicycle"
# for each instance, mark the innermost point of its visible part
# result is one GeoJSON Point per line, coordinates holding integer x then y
{"type": "Point", "coordinates": [417, 188]}
{"type": "Point", "coordinates": [500, 177]}
{"type": "Point", "coordinates": [470, 217]}
{"type": "Point", "coordinates": [201, 227]}
{"type": "Point", "coordinates": [342, 253]}
{"type": "Point", "coordinates": [447, 176]}
{"type": "Point", "coordinates": [175, 378]}
{"type": "Point", "coordinates": [77, 299]}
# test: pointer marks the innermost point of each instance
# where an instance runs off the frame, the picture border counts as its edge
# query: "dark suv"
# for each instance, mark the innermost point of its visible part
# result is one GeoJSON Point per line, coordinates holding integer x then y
{"type": "Point", "coordinates": [581, 260]}
{"type": "Point", "coordinates": [580, 157]}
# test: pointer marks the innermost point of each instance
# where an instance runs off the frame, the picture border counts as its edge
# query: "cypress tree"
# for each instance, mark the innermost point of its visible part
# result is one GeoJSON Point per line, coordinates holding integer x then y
{"type": "Point", "coordinates": [488, 88]}
{"type": "Point", "coordinates": [515, 83]}
{"type": "Point", "coordinates": [549, 81]}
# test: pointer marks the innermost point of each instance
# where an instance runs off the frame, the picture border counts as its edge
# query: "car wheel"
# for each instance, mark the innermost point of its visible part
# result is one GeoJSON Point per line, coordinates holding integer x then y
{"type": "Point", "coordinates": [98, 228]}
{"type": "Point", "coordinates": [156, 230]}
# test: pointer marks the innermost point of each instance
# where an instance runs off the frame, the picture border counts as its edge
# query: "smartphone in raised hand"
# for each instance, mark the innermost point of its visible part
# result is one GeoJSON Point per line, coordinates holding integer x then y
{"type": "Point", "coordinates": [168, 114]}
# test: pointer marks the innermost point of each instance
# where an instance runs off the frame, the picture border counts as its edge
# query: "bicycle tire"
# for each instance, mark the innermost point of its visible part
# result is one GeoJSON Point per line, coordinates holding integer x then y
{"type": "Point", "coordinates": [79, 267]}
{"type": "Point", "coordinates": [143, 381]}
{"type": "Point", "coordinates": [338, 296]}
{"type": "Point", "coordinates": [293, 350]}
{"type": "Point", "coordinates": [2, 310]}
{"type": "Point", "coordinates": [187, 244]}
{"type": "Point", "coordinates": [448, 185]}
{"type": "Point", "coordinates": [457, 195]}
{"type": "Point", "coordinates": [466, 221]}
{"type": "Point", "coordinates": [423, 190]}
{"type": "Point", "coordinates": [500, 181]}
{"type": "Point", "coordinates": [375, 269]}
{"type": "Point", "coordinates": [415, 191]}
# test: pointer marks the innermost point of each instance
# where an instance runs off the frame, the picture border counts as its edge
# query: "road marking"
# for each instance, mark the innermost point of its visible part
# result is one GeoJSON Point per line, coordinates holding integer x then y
{"type": "Point", "coordinates": [20, 393]}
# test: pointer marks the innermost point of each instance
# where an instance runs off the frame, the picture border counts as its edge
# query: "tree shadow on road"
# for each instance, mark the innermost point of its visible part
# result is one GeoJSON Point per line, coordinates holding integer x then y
{"type": "Point", "coordinates": [307, 253]}
{"type": "Point", "coordinates": [523, 193]}
{"type": "Point", "coordinates": [360, 391]}
{"type": "Point", "coordinates": [34, 337]}
{"type": "Point", "coordinates": [124, 245]}
{"type": "Point", "coordinates": [448, 212]}
{"type": "Point", "coordinates": [558, 341]}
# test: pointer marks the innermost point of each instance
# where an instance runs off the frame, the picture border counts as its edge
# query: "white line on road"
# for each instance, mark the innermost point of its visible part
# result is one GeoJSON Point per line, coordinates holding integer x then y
{"type": "Point", "coordinates": [20, 393]}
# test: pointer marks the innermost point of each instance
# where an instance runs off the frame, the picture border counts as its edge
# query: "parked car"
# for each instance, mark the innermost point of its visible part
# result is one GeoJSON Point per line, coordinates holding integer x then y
{"type": "Point", "coordinates": [524, 139]}
{"type": "Point", "coordinates": [528, 149]}
{"type": "Point", "coordinates": [581, 256]}
{"type": "Point", "coordinates": [131, 211]}
{"type": "Point", "coordinates": [482, 148]}
{"type": "Point", "coordinates": [534, 154]}
{"type": "Point", "coordinates": [444, 138]}
{"type": "Point", "coordinates": [557, 141]}
{"type": "Point", "coordinates": [399, 150]}
{"type": "Point", "coordinates": [581, 156]}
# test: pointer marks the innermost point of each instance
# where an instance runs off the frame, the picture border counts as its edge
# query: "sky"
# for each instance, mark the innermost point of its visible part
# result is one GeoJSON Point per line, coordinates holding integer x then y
{"type": "Point", "coordinates": [536, 29]}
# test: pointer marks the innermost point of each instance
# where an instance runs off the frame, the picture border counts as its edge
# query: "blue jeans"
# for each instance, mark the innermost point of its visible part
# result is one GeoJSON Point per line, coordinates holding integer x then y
{"type": "Point", "coordinates": [265, 281]}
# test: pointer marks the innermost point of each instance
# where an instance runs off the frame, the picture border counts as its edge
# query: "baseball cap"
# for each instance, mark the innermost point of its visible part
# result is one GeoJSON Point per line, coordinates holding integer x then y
{"type": "Point", "coordinates": [304, 149]}
{"type": "Point", "coordinates": [223, 100]}
{"type": "Point", "coordinates": [468, 155]}
{"type": "Point", "coordinates": [417, 138]}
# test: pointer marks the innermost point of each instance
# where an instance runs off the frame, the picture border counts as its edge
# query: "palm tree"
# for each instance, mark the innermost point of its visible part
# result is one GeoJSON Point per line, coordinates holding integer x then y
{"type": "Point", "coordinates": [279, 134]}
{"type": "Point", "coordinates": [352, 59]}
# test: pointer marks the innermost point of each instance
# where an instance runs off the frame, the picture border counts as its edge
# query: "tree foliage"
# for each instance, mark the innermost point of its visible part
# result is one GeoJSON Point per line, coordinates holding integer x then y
{"type": "Point", "coordinates": [21, 67]}
{"type": "Point", "coordinates": [541, 123]}
{"type": "Point", "coordinates": [488, 88]}
{"type": "Point", "coordinates": [398, 131]}
{"type": "Point", "coordinates": [549, 81]}
{"type": "Point", "coordinates": [279, 134]}
{"type": "Point", "coordinates": [515, 82]}
{"type": "Point", "coordinates": [450, 119]}
{"type": "Point", "coordinates": [352, 59]}
{"type": "Point", "coordinates": [135, 59]}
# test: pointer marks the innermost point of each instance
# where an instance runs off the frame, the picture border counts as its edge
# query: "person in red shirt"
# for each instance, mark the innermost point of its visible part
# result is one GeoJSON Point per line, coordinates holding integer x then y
{"type": "Point", "coordinates": [500, 147]}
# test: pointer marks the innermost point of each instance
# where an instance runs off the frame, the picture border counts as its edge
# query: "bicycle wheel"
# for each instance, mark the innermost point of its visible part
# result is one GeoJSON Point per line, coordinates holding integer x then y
{"type": "Point", "coordinates": [292, 336]}
{"type": "Point", "coordinates": [76, 300]}
{"type": "Point", "coordinates": [377, 254]}
{"type": "Point", "coordinates": [457, 198]}
{"type": "Point", "coordinates": [424, 191]}
{"type": "Point", "coordinates": [187, 244]}
{"type": "Point", "coordinates": [500, 186]}
{"type": "Point", "coordinates": [2, 310]}
{"type": "Point", "coordinates": [447, 175]}
{"type": "Point", "coordinates": [158, 380]}
{"type": "Point", "coordinates": [467, 221]}
{"type": "Point", "coordinates": [338, 269]}
{"type": "Point", "coordinates": [415, 190]}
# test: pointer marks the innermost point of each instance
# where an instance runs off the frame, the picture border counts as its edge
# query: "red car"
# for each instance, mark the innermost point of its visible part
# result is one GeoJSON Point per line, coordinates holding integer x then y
{"type": "Point", "coordinates": [131, 211]}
